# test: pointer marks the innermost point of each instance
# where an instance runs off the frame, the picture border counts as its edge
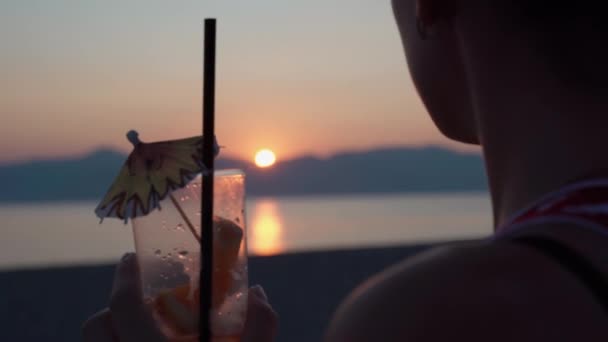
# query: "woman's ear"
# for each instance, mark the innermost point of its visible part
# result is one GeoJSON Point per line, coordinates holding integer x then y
{"type": "Point", "coordinates": [430, 12]}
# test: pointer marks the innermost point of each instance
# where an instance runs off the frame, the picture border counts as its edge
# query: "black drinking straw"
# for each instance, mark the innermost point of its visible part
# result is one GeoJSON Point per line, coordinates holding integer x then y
{"type": "Point", "coordinates": [207, 188]}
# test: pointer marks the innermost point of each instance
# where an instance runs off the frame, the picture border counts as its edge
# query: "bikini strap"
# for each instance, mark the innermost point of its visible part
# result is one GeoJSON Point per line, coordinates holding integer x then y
{"type": "Point", "coordinates": [576, 264]}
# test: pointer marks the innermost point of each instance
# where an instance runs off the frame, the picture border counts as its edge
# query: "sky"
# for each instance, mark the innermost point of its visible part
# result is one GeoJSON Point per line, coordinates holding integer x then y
{"type": "Point", "coordinates": [298, 77]}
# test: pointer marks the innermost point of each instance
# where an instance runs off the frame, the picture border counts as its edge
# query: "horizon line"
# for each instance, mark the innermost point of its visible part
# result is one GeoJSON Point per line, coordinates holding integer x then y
{"type": "Point", "coordinates": [102, 148]}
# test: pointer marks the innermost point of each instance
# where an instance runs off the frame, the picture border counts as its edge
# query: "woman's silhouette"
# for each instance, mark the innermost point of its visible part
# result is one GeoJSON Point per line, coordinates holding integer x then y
{"type": "Point", "coordinates": [527, 80]}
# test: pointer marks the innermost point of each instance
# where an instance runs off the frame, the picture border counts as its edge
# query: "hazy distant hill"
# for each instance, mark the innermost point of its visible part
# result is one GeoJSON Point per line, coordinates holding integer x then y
{"type": "Point", "coordinates": [376, 171]}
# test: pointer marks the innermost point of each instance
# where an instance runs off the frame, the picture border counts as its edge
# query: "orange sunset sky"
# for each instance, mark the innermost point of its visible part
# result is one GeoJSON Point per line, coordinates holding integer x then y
{"type": "Point", "coordinates": [299, 77]}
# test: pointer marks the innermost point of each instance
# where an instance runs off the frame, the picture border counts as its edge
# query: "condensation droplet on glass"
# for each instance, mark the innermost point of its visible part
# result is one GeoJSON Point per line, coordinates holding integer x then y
{"type": "Point", "coordinates": [169, 255]}
{"type": "Point", "coordinates": [158, 252]}
{"type": "Point", "coordinates": [179, 227]}
{"type": "Point", "coordinates": [237, 220]}
{"type": "Point", "coordinates": [182, 254]}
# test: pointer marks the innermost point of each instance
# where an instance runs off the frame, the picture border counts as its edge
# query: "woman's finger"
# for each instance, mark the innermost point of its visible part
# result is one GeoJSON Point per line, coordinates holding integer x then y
{"type": "Point", "coordinates": [262, 320]}
{"type": "Point", "coordinates": [98, 328]}
{"type": "Point", "coordinates": [131, 319]}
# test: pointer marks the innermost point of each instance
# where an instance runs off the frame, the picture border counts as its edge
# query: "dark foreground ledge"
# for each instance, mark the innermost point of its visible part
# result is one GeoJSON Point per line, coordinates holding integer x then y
{"type": "Point", "coordinates": [305, 288]}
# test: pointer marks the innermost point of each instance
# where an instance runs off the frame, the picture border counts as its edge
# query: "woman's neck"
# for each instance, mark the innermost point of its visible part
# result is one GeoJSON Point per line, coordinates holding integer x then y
{"type": "Point", "coordinates": [537, 133]}
{"type": "Point", "coordinates": [531, 151]}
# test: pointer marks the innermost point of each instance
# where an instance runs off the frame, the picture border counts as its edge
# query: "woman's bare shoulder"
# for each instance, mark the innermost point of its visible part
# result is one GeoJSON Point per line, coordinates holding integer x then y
{"type": "Point", "coordinates": [475, 291]}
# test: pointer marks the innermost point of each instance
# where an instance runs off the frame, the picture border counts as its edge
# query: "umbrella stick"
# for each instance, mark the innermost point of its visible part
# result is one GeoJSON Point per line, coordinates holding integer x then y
{"type": "Point", "coordinates": [185, 217]}
{"type": "Point", "coordinates": [207, 189]}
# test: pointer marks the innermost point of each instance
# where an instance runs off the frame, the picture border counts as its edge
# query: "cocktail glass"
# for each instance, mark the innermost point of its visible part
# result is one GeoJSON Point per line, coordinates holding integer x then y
{"type": "Point", "coordinates": [167, 243]}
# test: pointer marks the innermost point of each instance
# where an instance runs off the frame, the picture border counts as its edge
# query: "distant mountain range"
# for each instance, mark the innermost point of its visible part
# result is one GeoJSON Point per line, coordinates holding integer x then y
{"type": "Point", "coordinates": [388, 170]}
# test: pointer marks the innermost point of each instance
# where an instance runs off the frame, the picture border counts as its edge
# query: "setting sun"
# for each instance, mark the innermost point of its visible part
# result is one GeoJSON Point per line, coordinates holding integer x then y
{"type": "Point", "coordinates": [265, 158]}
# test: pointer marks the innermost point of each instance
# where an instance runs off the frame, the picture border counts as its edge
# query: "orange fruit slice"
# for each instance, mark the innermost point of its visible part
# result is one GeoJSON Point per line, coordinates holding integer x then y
{"type": "Point", "coordinates": [178, 306]}
{"type": "Point", "coordinates": [178, 310]}
{"type": "Point", "coordinates": [227, 238]}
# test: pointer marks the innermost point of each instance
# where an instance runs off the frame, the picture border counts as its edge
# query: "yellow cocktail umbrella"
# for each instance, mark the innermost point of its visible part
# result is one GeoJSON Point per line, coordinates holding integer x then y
{"type": "Point", "coordinates": [150, 174]}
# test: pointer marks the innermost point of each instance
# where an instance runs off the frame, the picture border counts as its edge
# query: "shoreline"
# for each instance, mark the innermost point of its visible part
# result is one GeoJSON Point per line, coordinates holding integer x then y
{"type": "Point", "coordinates": [50, 304]}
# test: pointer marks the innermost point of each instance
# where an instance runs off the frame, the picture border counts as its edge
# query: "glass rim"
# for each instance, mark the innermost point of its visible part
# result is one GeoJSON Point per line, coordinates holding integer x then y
{"type": "Point", "coordinates": [229, 172]}
{"type": "Point", "coordinates": [232, 172]}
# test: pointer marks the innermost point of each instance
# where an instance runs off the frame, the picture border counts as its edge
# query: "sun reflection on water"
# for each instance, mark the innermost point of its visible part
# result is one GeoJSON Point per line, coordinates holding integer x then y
{"type": "Point", "coordinates": [266, 230]}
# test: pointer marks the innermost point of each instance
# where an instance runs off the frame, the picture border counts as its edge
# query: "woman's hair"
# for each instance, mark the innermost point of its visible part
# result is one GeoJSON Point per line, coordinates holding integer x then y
{"type": "Point", "coordinates": [572, 36]}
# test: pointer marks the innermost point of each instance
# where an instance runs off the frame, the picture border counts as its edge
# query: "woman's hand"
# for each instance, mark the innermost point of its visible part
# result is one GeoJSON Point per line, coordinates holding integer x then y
{"type": "Point", "coordinates": [129, 319]}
